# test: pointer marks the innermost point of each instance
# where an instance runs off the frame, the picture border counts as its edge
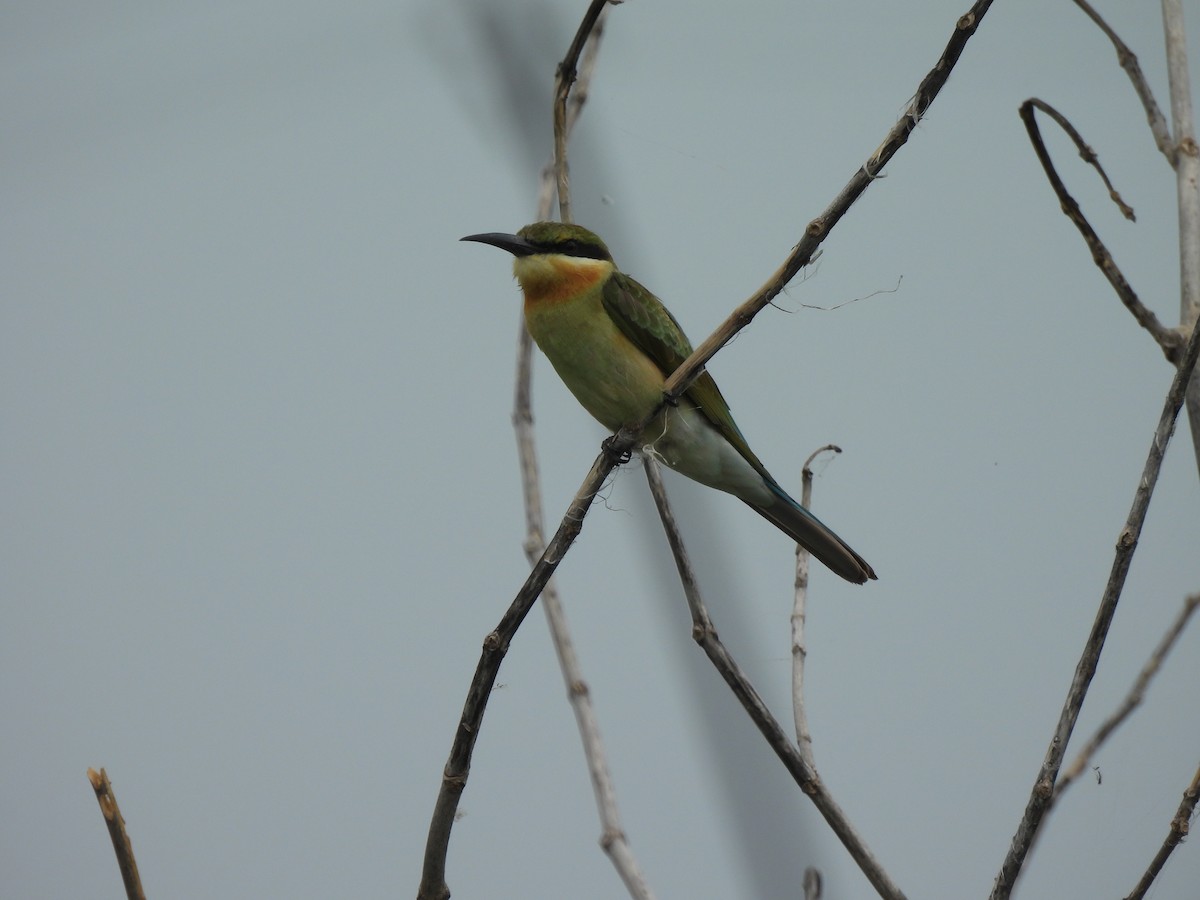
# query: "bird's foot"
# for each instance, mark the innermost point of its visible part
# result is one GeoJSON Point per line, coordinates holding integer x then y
{"type": "Point", "coordinates": [619, 456]}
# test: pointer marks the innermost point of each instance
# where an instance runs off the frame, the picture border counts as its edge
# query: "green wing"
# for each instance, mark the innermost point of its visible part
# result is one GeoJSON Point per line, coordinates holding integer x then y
{"type": "Point", "coordinates": [643, 319]}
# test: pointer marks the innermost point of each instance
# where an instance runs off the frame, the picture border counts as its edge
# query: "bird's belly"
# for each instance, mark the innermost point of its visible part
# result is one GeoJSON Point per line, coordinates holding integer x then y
{"type": "Point", "coordinates": [683, 439]}
{"type": "Point", "coordinates": [609, 376]}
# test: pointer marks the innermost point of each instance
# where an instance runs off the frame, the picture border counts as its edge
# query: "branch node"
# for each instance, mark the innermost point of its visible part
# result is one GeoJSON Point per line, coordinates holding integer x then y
{"type": "Point", "coordinates": [611, 836]}
{"type": "Point", "coordinates": [1180, 825]}
{"type": "Point", "coordinates": [1125, 208]}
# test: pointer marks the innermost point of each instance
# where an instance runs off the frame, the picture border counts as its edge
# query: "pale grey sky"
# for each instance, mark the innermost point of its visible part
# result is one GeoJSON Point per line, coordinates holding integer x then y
{"type": "Point", "coordinates": [260, 489]}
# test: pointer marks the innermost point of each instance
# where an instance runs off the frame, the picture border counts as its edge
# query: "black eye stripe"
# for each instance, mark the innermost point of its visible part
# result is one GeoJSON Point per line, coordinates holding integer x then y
{"type": "Point", "coordinates": [574, 247]}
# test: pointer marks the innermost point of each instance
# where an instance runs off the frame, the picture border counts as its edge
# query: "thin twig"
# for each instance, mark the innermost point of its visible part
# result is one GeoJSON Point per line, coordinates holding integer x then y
{"type": "Point", "coordinates": [1168, 339]}
{"type": "Point", "coordinates": [1178, 830]}
{"type": "Point", "coordinates": [805, 775]}
{"type": "Point", "coordinates": [799, 602]}
{"type": "Point", "coordinates": [575, 101]}
{"type": "Point", "coordinates": [564, 78]}
{"type": "Point", "coordinates": [116, 830]}
{"type": "Point", "coordinates": [1043, 787]}
{"type": "Point", "coordinates": [1132, 700]}
{"type": "Point", "coordinates": [1129, 62]}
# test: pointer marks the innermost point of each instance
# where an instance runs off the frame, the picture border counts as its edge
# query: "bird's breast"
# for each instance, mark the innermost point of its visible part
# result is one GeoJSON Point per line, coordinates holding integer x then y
{"type": "Point", "coordinates": [609, 376]}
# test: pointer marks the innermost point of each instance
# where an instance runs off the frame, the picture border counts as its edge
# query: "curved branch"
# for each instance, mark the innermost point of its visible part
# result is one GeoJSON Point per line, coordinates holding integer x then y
{"type": "Point", "coordinates": [1168, 339]}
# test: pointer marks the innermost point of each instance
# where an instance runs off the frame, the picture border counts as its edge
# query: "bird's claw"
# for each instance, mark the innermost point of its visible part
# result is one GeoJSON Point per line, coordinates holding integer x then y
{"type": "Point", "coordinates": [620, 456]}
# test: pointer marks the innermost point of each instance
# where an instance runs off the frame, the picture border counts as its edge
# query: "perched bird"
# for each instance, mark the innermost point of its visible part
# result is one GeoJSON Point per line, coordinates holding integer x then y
{"type": "Point", "coordinates": [614, 344]}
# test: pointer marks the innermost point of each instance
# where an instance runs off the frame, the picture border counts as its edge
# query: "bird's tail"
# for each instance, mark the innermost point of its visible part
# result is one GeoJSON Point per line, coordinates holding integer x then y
{"type": "Point", "coordinates": [813, 535]}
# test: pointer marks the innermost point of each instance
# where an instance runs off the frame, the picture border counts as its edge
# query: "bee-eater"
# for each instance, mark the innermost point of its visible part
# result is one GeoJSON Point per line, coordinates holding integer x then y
{"type": "Point", "coordinates": [614, 344]}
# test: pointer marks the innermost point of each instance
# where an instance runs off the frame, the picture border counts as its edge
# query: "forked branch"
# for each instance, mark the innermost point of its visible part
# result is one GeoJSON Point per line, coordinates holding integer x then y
{"type": "Point", "coordinates": [1168, 339]}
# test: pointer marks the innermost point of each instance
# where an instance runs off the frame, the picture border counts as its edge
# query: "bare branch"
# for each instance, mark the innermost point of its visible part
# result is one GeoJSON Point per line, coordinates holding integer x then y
{"type": "Point", "coordinates": [705, 634]}
{"type": "Point", "coordinates": [564, 78]}
{"type": "Point", "coordinates": [799, 601]}
{"type": "Point", "coordinates": [1168, 339]}
{"type": "Point", "coordinates": [495, 646]}
{"type": "Point", "coordinates": [1129, 62]}
{"type": "Point", "coordinates": [122, 846]}
{"type": "Point", "coordinates": [1187, 189]}
{"type": "Point", "coordinates": [1187, 162]}
{"type": "Point", "coordinates": [1180, 825]}
{"type": "Point", "coordinates": [1132, 700]}
{"type": "Point", "coordinates": [574, 105]}
{"type": "Point", "coordinates": [1043, 788]}
{"type": "Point", "coordinates": [1086, 153]}
{"type": "Point", "coordinates": [818, 229]}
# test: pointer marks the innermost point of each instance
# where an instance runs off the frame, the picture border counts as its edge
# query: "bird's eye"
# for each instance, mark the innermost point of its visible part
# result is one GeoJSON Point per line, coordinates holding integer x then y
{"type": "Point", "coordinates": [571, 246]}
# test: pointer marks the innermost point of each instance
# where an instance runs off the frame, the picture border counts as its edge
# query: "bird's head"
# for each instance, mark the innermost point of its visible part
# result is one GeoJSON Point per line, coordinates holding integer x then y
{"type": "Point", "coordinates": [553, 260]}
